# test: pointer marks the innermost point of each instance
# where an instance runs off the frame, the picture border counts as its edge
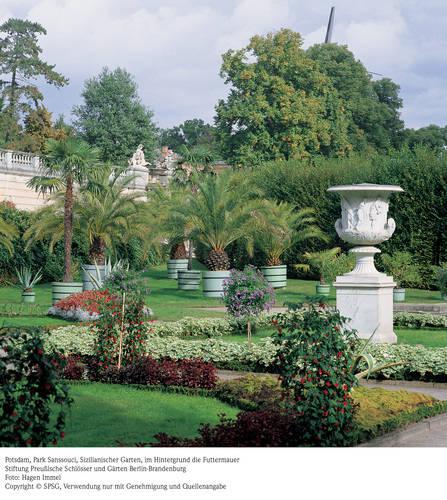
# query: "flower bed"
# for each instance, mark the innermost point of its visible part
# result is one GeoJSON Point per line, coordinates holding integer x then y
{"type": "Point", "coordinates": [193, 373]}
{"type": "Point", "coordinates": [82, 306]}
{"type": "Point", "coordinates": [80, 340]}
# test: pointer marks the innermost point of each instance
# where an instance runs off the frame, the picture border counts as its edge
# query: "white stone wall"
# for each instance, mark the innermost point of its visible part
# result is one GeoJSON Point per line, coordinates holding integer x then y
{"type": "Point", "coordinates": [16, 169]}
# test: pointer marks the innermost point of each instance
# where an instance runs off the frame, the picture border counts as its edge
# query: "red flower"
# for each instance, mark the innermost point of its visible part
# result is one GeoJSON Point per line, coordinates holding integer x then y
{"type": "Point", "coordinates": [62, 435]}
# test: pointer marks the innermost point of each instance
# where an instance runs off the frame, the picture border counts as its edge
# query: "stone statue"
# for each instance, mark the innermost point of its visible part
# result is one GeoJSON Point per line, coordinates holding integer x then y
{"type": "Point", "coordinates": [138, 159]}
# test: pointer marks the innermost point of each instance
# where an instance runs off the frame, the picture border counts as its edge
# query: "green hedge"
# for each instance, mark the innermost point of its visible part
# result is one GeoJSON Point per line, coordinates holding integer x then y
{"type": "Point", "coordinates": [420, 320]}
{"type": "Point", "coordinates": [420, 217]}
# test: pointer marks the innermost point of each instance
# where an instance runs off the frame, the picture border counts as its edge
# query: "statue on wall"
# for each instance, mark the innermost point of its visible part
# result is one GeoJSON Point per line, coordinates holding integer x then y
{"type": "Point", "coordinates": [138, 159]}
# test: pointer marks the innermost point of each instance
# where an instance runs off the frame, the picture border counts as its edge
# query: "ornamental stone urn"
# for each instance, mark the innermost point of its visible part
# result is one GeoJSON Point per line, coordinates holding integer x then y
{"type": "Point", "coordinates": [364, 295]}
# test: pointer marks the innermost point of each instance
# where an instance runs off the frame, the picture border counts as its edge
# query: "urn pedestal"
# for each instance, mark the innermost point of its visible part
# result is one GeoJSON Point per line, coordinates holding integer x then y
{"type": "Point", "coordinates": [364, 295]}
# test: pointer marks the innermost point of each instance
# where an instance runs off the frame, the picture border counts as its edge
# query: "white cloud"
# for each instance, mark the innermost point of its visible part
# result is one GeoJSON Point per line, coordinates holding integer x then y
{"type": "Point", "coordinates": [174, 47]}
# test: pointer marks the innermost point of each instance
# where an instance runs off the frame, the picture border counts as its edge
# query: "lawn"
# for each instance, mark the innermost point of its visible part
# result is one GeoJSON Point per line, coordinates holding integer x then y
{"type": "Point", "coordinates": [428, 337]}
{"type": "Point", "coordinates": [170, 304]}
{"type": "Point", "coordinates": [103, 414]}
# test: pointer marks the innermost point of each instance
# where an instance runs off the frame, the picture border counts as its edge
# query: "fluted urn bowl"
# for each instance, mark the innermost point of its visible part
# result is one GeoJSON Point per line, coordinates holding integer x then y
{"type": "Point", "coordinates": [364, 213]}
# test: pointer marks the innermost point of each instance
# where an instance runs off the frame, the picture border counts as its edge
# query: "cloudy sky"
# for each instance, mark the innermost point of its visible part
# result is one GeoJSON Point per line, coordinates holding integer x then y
{"type": "Point", "coordinates": [174, 47]}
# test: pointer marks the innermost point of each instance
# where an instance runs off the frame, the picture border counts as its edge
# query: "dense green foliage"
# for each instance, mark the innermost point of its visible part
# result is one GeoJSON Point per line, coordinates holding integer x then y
{"type": "Point", "coordinates": [31, 386]}
{"type": "Point", "coordinates": [112, 117]}
{"type": "Point", "coordinates": [21, 64]}
{"type": "Point", "coordinates": [37, 254]}
{"type": "Point", "coordinates": [190, 133]}
{"type": "Point", "coordinates": [372, 106]}
{"type": "Point", "coordinates": [313, 355]}
{"type": "Point", "coordinates": [280, 104]}
{"type": "Point", "coordinates": [420, 218]}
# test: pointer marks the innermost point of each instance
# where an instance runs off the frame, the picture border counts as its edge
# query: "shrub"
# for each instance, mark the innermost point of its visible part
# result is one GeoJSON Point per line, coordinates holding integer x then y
{"type": "Point", "coordinates": [258, 357]}
{"type": "Point", "coordinates": [420, 320]}
{"type": "Point", "coordinates": [252, 392]}
{"type": "Point", "coordinates": [402, 268]}
{"type": "Point", "coordinates": [272, 427]}
{"type": "Point", "coordinates": [120, 336]}
{"type": "Point", "coordinates": [247, 293]}
{"type": "Point", "coordinates": [31, 389]}
{"type": "Point", "coordinates": [194, 373]}
{"type": "Point", "coordinates": [314, 356]}
{"type": "Point", "coordinates": [83, 306]}
{"type": "Point", "coordinates": [74, 368]}
{"type": "Point", "coordinates": [193, 327]}
{"type": "Point", "coordinates": [441, 276]}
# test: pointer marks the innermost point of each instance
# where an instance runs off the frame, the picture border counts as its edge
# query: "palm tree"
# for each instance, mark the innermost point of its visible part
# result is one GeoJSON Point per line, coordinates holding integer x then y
{"type": "Point", "coordinates": [107, 211]}
{"type": "Point", "coordinates": [7, 233]}
{"type": "Point", "coordinates": [66, 162]}
{"type": "Point", "coordinates": [219, 213]}
{"type": "Point", "coordinates": [193, 160]}
{"type": "Point", "coordinates": [163, 225]}
{"type": "Point", "coordinates": [104, 210]}
{"type": "Point", "coordinates": [282, 226]}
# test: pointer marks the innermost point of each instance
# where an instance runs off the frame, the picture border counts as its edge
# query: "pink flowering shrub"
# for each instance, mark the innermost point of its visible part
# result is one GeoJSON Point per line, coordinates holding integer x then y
{"type": "Point", "coordinates": [247, 293]}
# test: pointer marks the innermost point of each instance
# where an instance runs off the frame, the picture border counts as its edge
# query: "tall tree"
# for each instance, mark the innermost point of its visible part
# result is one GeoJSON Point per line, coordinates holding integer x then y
{"type": "Point", "coordinates": [432, 136]}
{"type": "Point", "coordinates": [113, 118]}
{"type": "Point", "coordinates": [190, 133]}
{"type": "Point", "coordinates": [67, 162]}
{"type": "Point", "coordinates": [280, 105]}
{"type": "Point", "coordinates": [20, 61]}
{"type": "Point", "coordinates": [38, 128]}
{"type": "Point", "coordinates": [373, 106]}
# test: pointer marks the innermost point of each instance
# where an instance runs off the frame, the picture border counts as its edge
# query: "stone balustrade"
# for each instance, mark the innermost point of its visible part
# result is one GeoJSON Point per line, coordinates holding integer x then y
{"type": "Point", "coordinates": [19, 161]}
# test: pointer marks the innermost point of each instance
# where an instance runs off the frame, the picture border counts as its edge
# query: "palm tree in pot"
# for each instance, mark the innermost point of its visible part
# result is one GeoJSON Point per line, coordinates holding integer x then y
{"type": "Point", "coordinates": [277, 231]}
{"type": "Point", "coordinates": [403, 270]}
{"type": "Point", "coordinates": [219, 213]}
{"type": "Point", "coordinates": [324, 262]}
{"type": "Point", "coordinates": [104, 210]}
{"type": "Point", "coordinates": [66, 163]}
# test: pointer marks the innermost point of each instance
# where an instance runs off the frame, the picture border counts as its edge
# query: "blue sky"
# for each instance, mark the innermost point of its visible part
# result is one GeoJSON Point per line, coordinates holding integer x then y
{"type": "Point", "coordinates": [174, 47]}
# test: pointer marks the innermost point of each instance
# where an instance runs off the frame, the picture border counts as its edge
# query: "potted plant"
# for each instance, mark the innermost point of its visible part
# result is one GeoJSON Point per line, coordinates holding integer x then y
{"type": "Point", "coordinates": [279, 229]}
{"type": "Point", "coordinates": [401, 267]}
{"type": "Point", "coordinates": [66, 163]}
{"type": "Point", "coordinates": [324, 263]}
{"type": "Point", "coordinates": [27, 281]}
{"type": "Point", "coordinates": [178, 260]}
{"type": "Point", "coordinates": [107, 212]}
{"type": "Point", "coordinates": [246, 294]}
{"type": "Point", "coordinates": [219, 212]}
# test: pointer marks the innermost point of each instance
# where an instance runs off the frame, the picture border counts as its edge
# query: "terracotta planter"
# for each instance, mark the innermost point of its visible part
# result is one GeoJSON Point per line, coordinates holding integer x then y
{"type": "Point", "coordinates": [174, 265]}
{"type": "Point", "coordinates": [60, 290]}
{"type": "Point", "coordinates": [188, 280]}
{"type": "Point", "coordinates": [213, 283]}
{"type": "Point", "coordinates": [275, 275]}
